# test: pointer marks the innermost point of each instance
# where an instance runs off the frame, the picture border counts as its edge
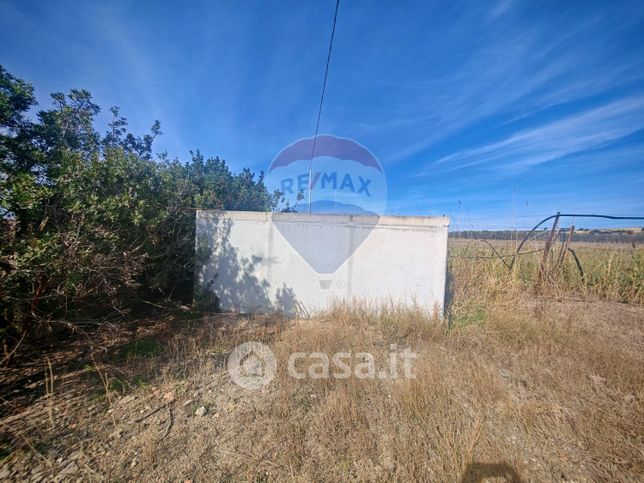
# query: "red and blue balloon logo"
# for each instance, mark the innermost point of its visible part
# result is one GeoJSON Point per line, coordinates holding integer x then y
{"type": "Point", "coordinates": [327, 175]}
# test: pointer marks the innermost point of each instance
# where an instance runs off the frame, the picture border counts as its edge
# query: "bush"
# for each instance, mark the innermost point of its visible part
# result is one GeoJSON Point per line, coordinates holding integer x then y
{"type": "Point", "coordinates": [92, 224]}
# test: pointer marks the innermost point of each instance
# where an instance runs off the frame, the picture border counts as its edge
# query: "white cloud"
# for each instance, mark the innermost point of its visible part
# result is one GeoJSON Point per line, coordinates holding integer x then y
{"type": "Point", "coordinates": [584, 131]}
{"type": "Point", "coordinates": [500, 8]}
{"type": "Point", "coordinates": [513, 72]}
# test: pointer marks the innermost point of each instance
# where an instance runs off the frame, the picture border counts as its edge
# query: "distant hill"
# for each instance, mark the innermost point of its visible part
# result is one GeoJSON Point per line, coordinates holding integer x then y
{"type": "Point", "coordinates": [597, 235]}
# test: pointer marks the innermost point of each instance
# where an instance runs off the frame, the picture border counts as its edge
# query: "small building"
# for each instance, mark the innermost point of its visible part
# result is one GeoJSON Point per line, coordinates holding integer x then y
{"type": "Point", "coordinates": [299, 263]}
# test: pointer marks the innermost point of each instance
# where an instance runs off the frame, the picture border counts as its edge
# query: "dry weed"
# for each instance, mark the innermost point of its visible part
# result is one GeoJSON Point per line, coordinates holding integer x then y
{"type": "Point", "coordinates": [509, 385]}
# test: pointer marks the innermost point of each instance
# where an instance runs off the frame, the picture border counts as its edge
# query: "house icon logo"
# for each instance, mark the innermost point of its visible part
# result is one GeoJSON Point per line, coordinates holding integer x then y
{"type": "Point", "coordinates": [252, 365]}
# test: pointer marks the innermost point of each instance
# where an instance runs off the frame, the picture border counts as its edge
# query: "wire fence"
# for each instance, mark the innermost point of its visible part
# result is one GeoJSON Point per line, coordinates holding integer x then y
{"type": "Point", "coordinates": [552, 261]}
{"type": "Point", "coordinates": [564, 235]}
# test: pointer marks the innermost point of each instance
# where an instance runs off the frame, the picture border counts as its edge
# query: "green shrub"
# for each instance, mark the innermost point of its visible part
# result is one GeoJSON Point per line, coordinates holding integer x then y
{"type": "Point", "coordinates": [91, 224]}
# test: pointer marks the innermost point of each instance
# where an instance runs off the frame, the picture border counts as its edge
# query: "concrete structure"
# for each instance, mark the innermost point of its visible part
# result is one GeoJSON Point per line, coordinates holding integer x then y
{"type": "Point", "coordinates": [300, 263]}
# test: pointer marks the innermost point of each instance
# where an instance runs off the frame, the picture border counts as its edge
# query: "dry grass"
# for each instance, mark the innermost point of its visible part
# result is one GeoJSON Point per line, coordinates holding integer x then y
{"type": "Point", "coordinates": [511, 386]}
{"type": "Point", "coordinates": [612, 272]}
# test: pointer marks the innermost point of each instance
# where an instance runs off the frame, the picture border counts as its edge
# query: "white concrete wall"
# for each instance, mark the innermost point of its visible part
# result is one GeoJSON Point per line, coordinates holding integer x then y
{"type": "Point", "coordinates": [299, 263]}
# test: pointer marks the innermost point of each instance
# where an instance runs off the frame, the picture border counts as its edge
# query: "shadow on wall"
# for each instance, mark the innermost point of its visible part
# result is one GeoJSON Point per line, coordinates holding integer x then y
{"type": "Point", "coordinates": [234, 279]}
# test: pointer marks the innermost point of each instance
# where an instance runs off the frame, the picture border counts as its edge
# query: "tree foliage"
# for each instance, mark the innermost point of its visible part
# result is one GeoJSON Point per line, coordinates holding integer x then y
{"type": "Point", "coordinates": [93, 223]}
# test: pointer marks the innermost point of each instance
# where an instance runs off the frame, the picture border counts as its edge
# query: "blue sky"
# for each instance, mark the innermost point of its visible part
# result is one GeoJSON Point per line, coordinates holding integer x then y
{"type": "Point", "coordinates": [494, 113]}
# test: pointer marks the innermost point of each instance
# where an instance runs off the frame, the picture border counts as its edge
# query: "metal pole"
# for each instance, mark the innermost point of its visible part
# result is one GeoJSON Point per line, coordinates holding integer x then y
{"type": "Point", "coordinates": [546, 251]}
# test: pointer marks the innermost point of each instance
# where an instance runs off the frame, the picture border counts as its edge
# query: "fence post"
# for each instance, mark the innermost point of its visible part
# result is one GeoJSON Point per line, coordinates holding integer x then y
{"type": "Point", "coordinates": [564, 247]}
{"type": "Point", "coordinates": [546, 251]}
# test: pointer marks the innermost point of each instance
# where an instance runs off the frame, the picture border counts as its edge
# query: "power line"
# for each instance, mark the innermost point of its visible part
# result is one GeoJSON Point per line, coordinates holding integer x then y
{"type": "Point", "coordinates": [507, 217]}
{"type": "Point", "coordinates": [326, 75]}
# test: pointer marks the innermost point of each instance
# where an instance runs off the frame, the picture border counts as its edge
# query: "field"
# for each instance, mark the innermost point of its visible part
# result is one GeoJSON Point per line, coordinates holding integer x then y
{"type": "Point", "coordinates": [528, 378]}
